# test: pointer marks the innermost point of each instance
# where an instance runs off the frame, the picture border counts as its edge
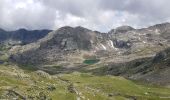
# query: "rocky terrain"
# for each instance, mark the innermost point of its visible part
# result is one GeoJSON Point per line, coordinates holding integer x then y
{"type": "Point", "coordinates": [78, 63]}
{"type": "Point", "coordinates": [122, 51]}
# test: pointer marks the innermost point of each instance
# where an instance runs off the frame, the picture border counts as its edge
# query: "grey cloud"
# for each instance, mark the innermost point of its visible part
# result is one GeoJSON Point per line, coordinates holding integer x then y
{"type": "Point", "coordinates": [25, 14]}
{"type": "Point", "coordinates": [75, 7]}
{"type": "Point", "coordinates": [94, 14]}
{"type": "Point", "coordinates": [147, 10]}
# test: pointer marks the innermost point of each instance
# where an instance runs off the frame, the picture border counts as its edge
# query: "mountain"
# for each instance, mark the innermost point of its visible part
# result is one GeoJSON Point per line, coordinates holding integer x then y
{"type": "Point", "coordinates": [3, 35]}
{"type": "Point", "coordinates": [21, 36]}
{"type": "Point", "coordinates": [122, 29]}
{"type": "Point", "coordinates": [121, 40]}
{"type": "Point", "coordinates": [78, 63]}
{"type": "Point", "coordinates": [70, 47]}
{"type": "Point", "coordinates": [63, 43]}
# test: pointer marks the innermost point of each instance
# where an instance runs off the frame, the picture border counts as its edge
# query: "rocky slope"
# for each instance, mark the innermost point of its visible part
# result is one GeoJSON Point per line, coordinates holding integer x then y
{"type": "Point", "coordinates": [122, 51]}
{"type": "Point", "coordinates": [152, 69]}
{"type": "Point", "coordinates": [160, 71]}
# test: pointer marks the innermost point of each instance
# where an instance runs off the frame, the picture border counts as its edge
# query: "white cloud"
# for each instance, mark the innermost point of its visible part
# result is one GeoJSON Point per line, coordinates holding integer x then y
{"type": "Point", "coordinates": [68, 20]}
{"type": "Point", "coordinates": [99, 15]}
{"type": "Point", "coordinates": [25, 14]}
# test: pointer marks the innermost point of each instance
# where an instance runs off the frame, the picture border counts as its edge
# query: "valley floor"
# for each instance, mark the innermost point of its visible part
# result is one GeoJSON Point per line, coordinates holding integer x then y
{"type": "Point", "coordinates": [16, 83]}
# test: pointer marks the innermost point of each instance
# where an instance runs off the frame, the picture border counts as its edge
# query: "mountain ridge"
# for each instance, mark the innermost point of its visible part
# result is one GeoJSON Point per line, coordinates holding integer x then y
{"type": "Point", "coordinates": [82, 39]}
{"type": "Point", "coordinates": [126, 52]}
{"type": "Point", "coordinates": [22, 36]}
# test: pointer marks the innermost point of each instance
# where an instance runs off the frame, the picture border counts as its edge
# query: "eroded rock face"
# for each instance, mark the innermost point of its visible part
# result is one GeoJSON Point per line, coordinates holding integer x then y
{"type": "Point", "coordinates": [122, 44]}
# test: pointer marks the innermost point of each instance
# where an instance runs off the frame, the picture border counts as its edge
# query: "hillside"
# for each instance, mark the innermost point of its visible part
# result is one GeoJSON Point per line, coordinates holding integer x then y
{"type": "Point", "coordinates": [39, 85]}
{"type": "Point", "coordinates": [81, 64]}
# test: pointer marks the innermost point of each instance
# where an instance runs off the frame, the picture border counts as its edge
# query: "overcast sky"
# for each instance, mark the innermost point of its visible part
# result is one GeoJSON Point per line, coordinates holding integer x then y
{"type": "Point", "coordinates": [101, 15]}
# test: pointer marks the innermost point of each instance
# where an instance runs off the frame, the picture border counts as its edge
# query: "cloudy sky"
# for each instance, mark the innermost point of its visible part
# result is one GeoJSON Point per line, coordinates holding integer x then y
{"type": "Point", "coordinates": [101, 15]}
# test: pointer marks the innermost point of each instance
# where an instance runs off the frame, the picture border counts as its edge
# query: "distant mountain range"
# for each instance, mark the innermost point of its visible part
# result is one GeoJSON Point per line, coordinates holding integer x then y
{"type": "Point", "coordinates": [123, 40]}
{"type": "Point", "coordinates": [22, 36]}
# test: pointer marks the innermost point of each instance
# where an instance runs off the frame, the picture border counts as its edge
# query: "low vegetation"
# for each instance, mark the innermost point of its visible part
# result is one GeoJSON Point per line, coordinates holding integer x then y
{"type": "Point", "coordinates": [36, 85]}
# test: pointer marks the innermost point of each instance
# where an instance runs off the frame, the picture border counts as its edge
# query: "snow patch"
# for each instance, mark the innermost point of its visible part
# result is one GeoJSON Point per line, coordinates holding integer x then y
{"type": "Point", "coordinates": [157, 31]}
{"type": "Point", "coordinates": [111, 43]}
{"type": "Point", "coordinates": [103, 46]}
{"type": "Point", "coordinates": [144, 42]}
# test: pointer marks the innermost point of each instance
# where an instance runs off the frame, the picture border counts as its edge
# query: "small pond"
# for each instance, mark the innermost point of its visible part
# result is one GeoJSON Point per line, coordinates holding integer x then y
{"type": "Point", "coordinates": [91, 61]}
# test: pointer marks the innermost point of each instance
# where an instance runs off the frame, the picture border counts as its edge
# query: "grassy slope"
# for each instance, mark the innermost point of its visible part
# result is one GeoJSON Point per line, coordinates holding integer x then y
{"type": "Point", "coordinates": [74, 86]}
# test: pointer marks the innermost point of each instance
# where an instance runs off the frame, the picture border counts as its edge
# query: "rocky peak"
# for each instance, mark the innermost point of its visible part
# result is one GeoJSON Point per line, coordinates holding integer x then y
{"type": "Point", "coordinates": [64, 30]}
{"type": "Point", "coordinates": [167, 24]}
{"type": "Point", "coordinates": [69, 38]}
{"type": "Point", "coordinates": [121, 29]}
{"type": "Point", "coordinates": [162, 27]}
{"type": "Point", "coordinates": [124, 29]}
{"type": "Point", "coordinates": [81, 28]}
